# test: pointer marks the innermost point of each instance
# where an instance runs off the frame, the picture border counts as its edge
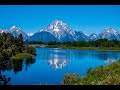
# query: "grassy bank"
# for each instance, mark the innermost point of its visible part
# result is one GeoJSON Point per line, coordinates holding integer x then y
{"type": "Point", "coordinates": [38, 45]}
{"type": "Point", "coordinates": [21, 56]}
{"type": "Point", "coordinates": [102, 75]}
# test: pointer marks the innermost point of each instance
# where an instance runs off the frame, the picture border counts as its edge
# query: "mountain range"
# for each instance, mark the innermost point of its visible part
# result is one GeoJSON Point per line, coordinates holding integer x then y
{"type": "Point", "coordinates": [61, 32]}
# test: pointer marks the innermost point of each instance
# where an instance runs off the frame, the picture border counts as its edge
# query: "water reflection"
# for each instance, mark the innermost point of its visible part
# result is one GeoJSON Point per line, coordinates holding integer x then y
{"type": "Point", "coordinates": [16, 65]}
{"type": "Point", "coordinates": [108, 57]}
{"type": "Point", "coordinates": [4, 65]}
{"type": "Point", "coordinates": [28, 62]}
{"type": "Point", "coordinates": [57, 63]}
{"type": "Point", "coordinates": [48, 59]}
{"type": "Point", "coordinates": [110, 60]}
{"type": "Point", "coordinates": [57, 58]}
{"type": "Point", "coordinates": [4, 80]}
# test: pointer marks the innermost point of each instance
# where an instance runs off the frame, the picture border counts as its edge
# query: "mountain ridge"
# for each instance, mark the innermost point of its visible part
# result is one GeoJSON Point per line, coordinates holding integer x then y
{"type": "Point", "coordinates": [61, 32]}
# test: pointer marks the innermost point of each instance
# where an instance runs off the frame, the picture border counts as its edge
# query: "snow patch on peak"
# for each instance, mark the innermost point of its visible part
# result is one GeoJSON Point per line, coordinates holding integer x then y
{"type": "Point", "coordinates": [86, 34]}
{"type": "Point", "coordinates": [109, 30]}
{"type": "Point", "coordinates": [94, 36]}
{"type": "Point", "coordinates": [56, 29]}
{"type": "Point", "coordinates": [30, 34]}
{"type": "Point", "coordinates": [58, 23]}
{"type": "Point", "coordinates": [110, 34]}
{"type": "Point", "coordinates": [13, 27]}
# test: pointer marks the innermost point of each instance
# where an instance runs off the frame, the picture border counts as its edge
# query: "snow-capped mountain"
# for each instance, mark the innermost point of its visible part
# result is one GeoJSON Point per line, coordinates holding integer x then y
{"type": "Point", "coordinates": [2, 30]}
{"type": "Point", "coordinates": [15, 31]}
{"type": "Point", "coordinates": [61, 32]}
{"type": "Point", "coordinates": [93, 37]}
{"type": "Point", "coordinates": [110, 34]}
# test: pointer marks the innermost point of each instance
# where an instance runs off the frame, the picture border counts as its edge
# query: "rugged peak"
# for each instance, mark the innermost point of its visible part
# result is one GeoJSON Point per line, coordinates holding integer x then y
{"type": "Point", "coordinates": [57, 22]}
{"type": "Point", "coordinates": [58, 25]}
{"type": "Point", "coordinates": [110, 30]}
{"type": "Point", "coordinates": [14, 27]}
{"type": "Point", "coordinates": [110, 34]}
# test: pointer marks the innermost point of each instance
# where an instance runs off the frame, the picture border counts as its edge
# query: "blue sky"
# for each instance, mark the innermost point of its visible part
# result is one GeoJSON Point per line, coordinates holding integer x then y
{"type": "Point", "coordinates": [86, 18]}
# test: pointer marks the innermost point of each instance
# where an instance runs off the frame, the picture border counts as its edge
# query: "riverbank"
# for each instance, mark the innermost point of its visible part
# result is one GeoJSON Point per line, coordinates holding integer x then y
{"type": "Point", "coordinates": [76, 48]}
{"type": "Point", "coordinates": [102, 75]}
{"type": "Point", "coordinates": [21, 56]}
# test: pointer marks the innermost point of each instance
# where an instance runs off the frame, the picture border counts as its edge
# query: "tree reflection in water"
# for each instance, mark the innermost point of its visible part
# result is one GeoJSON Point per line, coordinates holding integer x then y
{"type": "Point", "coordinates": [16, 65]}
{"type": "Point", "coordinates": [4, 80]}
{"type": "Point", "coordinates": [28, 62]}
{"type": "Point", "coordinates": [4, 65]}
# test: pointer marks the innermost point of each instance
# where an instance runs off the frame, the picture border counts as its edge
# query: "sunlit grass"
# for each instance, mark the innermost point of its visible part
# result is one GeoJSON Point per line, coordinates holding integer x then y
{"type": "Point", "coordinates": [21, 56]}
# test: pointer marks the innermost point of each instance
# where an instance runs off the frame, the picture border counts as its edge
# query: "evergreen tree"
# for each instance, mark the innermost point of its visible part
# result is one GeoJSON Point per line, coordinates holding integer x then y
{"type": "Point", "coordinates": [20, 43]}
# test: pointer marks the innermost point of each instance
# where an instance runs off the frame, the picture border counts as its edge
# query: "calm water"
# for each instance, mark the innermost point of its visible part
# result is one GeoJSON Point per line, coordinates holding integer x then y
{"type": "Point", "coordinates": [50, 65]}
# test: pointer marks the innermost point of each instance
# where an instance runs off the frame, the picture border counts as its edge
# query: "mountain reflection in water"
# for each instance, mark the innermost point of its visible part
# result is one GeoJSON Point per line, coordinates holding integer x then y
{"type": "Point", "coordinates": [50, 65]}
{"type": "Point", "coordinates": [58, 59]}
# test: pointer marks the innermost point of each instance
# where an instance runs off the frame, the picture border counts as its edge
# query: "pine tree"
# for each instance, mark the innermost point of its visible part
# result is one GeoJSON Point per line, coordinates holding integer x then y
{"type": "Point", "coordinates": [20, 43]}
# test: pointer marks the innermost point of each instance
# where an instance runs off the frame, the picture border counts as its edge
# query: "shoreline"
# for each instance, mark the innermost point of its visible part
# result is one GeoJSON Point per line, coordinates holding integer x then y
{"type": "Point", "coordinates": [85, 48]}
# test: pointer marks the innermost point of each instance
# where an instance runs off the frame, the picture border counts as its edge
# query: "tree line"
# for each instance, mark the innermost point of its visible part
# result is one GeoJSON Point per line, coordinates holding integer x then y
{"type": "Point", "coordinates": [97, 43]}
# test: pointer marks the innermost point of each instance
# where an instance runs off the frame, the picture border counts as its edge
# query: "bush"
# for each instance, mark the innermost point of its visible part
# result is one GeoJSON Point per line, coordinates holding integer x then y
{"type": "Point", "coordinates": [71, 79]}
